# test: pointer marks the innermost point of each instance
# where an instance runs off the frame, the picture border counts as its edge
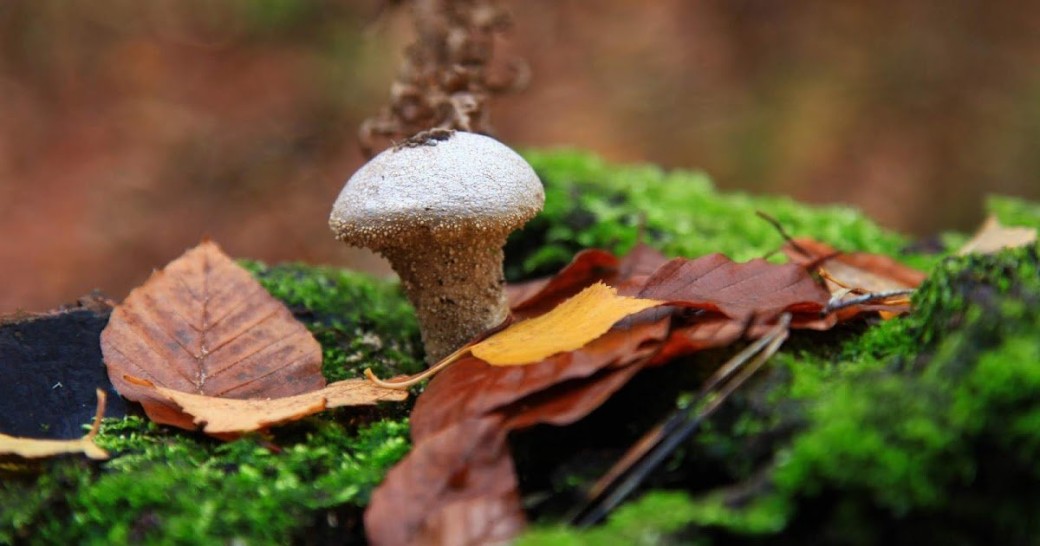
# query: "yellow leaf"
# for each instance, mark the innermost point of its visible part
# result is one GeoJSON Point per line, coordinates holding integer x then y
{"type": "Point", "coordinates": [569, 326]}
{"type": "Point", "coordinates": [36, 448]}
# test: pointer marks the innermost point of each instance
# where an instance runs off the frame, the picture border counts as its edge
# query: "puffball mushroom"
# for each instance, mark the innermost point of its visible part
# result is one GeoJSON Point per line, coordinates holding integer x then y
{"type": "Point", "coordinates": [439, 208]}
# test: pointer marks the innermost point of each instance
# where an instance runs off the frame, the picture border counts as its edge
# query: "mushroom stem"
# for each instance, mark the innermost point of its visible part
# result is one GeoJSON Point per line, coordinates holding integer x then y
{"type": "Point", "coordinates": [456, 288]}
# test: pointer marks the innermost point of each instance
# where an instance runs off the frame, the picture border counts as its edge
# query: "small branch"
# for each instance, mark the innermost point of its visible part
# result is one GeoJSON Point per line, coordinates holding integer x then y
{"type": "Point", "coordinates": [655, 446]}
{"type": "Point", "coordinates": [783, 233]}
{"type": "Point", "coordinates": [836, 304]}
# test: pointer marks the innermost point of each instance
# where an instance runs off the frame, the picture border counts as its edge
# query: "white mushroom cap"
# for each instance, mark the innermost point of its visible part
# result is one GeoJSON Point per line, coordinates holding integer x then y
{"type": "Point", "coordinates": [447, 188]}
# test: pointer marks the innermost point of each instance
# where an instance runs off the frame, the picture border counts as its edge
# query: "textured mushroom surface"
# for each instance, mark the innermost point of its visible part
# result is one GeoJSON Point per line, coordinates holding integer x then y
{"type": "Point", "coordinates": [467, 182]}
{"type": "Point", "coordinates": [440, 210]}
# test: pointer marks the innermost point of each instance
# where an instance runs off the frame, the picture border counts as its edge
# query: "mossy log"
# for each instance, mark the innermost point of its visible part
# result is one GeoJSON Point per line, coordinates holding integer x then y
{"type": "Point", "coordinates": [923, 429]}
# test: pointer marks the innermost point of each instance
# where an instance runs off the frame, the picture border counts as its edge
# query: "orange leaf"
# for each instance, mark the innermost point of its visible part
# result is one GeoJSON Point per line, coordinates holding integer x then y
{"type": "Point", "coordinates": [569, 326]}
{"type": "Point", "coordinates": [203, 328]}
{"type": "Point", "coordinates": [229, 415]}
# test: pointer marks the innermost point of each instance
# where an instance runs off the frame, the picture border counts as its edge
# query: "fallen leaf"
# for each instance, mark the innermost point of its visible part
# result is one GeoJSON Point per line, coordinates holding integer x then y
{"type": "Point", "coordinates": [231, 415]}
{"type": "Point", "coordinates": [472, 387]}
{"type": "Point", "coordinates": [739, 291]}
{"type": "Point", "coordinates": [204, 336]}
{"type": "Point", "coordinates": [457, 486]}
{"type": "Point", "coordinates": [569, 326]}
{"type": "Point", "coordinates": [536, 297]}
{"type": "Point", "coordinates": [570, 401]}
{"type": "Point", "coordinates": [36, 448]}
{"type": "Point", "coordinates": [993, 237]}
{"type": "Point", "coordinates": [857, 271]}
{"type": "Point", "coordinates": [627, 274]}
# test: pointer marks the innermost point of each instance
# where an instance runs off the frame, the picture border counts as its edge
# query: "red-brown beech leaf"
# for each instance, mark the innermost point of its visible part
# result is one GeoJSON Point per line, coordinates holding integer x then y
{"type": "Point", "coordinates": [570, 401]}
{"type": "Point", "coordinates": [535, 297]}
{"type": "Point", "coordinates": [739, 291]}
{"type": "Point", "coordinates": [457, 486]}
{"type": "Point", "coordinates": [203, 325]}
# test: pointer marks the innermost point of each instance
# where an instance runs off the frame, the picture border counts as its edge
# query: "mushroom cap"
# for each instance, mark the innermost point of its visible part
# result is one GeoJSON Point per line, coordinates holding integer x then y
{"type": "Point", "coordinates": [461, 186]}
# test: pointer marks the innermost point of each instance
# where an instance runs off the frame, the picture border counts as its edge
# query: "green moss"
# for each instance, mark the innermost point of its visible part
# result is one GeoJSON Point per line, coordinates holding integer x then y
{"type": "Point", "coordinates": [361, 322]}
{"type": "Point", "coordinates": [168, 487]}
{"type": "Point", "coordinates": [923, 429]}
{"type": "Point", "coordinates": [652, 520]}
{"type": "Point", "coordinates": [590, 203]}
{"type": "Point", "coordinates": [1014, 212]}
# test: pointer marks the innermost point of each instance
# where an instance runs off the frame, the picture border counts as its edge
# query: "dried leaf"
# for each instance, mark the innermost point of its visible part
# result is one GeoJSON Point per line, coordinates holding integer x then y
{"type": "Point", "coordinates": [737, 290]}
{"type": "Point", "coordinates": [628, 274]}
{"type": "Point", "coordinates": [857, 271]}
{"type": "Point", "coordinates": [472, 387]}
{"type": "Point", "coordinates": [569, 326]}
{"type": "Point", "coordinates": [536, 297]}
{"type": "Point", "coordinates": [35, 448]}
{"type": "Point", "coordinates": [993, 237]}
{"type": "Point", "coordinates": [203, 325]}
{"type": "Point", "coordinates": [569, 402]}
{"type": "Point", "coordinates": [457, 486]}
{"type": "Point", "coordinates": [229, 415]}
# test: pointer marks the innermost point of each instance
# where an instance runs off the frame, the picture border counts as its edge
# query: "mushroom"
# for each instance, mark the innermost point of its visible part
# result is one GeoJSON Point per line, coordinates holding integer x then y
{"type": "Point", "coordinates": [439, 207]}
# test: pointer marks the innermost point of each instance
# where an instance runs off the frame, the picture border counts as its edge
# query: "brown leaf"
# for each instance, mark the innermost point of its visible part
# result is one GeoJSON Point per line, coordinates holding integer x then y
{"type": "Point", "coordinates": [457, 486]}
{"type": "Point", "coordinates": [636, 268]}
{"type": "Point", "coordinates": [471, 387]}
{"type": "Point", "coordinates": [35, 448]}
{"type": "Point", "coordinates": [859, 271]}
{"type": "Point", "coordinates": [570, 401]}
{"type": "Point", "coordinates": [229, 415]}
{"type": "Point", "coordinates": [204, 326]}
{"type": "Point", "coordinates": [737, 290]}
{"type": "Point", "coordinates": [536, 297]}
{"type": "Point", "coordinates": [628, 274]}
{"type": "Point", "coordinates": [993, 237]}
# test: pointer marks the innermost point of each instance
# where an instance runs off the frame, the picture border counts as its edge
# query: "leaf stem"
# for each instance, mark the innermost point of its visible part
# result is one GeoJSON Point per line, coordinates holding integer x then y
{"type": "Point", "coordinates": [408, 382]}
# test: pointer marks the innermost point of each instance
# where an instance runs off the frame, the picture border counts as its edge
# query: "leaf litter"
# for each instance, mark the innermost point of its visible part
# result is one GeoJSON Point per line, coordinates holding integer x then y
{"type": "Point", "coordinates": [696, 304]}
{"type": "Point", "coordinates": [201, 343]}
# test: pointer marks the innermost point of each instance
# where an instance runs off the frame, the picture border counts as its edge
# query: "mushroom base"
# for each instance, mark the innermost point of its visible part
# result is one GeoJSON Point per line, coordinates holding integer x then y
{"type": "Point", "coordinates": [456, 288]}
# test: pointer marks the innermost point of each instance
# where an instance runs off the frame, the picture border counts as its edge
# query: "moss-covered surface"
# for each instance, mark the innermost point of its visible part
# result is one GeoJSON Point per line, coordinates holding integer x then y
{"type": "Point", "coordinates": [920, 429]}
{"type": "Point", "coordinates": [305, 483]}
{"type": "Point", "coordinates": [593, 204]}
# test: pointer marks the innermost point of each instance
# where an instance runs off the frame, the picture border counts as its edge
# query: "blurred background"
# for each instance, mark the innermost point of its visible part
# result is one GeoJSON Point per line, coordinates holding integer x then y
{"type": "Point", "coordinates": [129, 130]}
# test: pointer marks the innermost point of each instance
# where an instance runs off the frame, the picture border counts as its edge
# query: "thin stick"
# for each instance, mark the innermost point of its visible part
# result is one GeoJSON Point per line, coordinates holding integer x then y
{"type": "Point", "coordinates": [833, 305]}
{"type": "Point", "coordinates": [651, 450]}
{"type": "Point", "coordinates": [783, 233]}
